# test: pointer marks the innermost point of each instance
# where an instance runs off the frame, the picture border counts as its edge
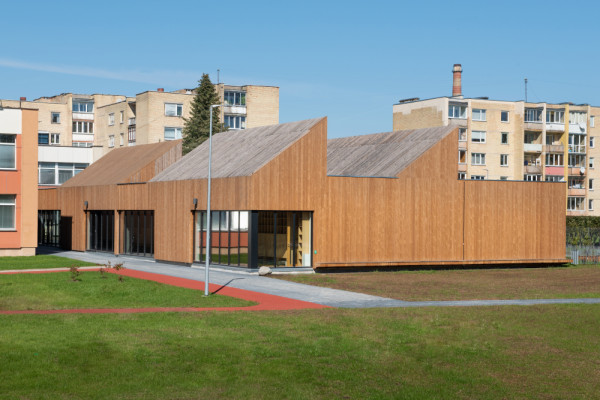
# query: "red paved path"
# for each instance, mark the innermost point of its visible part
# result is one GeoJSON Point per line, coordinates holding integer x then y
{"type": "Point", "coordinates": [265, 301]}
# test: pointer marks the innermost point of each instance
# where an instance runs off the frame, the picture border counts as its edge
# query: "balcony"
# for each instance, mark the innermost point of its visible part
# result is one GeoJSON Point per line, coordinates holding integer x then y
{"type": "Point", "coordinates": [555, 127]}
{"type": "Point", "coordinates": [576, 171]}
{"type": "Point", "coordinates": [462, 167]}
{"type": "Point", "coordinates": [462, 145]}
{"type": "Point", "coordinates": [532, 148]}
{"type": "Point", "coordinates": [577, 148]}
{"type": "Point", "coordinates": [533, 126]}
{"type": "Point", "coordinates": [578, 128]}
{"type": "Point", "coordinates": [554, 148]}
{"type": "Point", "coordinates": [533, 169]}
{"type": "Point", "coordinates": [555, 170]}
{"type": "Point", "coordinates": [234, 109]}
{"type": "Point", "coordinates": [577, 192]}
{"type": "Point", "coordinates": [131, 121]}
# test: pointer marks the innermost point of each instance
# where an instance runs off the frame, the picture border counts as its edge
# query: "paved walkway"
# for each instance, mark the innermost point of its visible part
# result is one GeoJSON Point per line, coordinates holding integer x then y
{"type": "Point", "coordinates": [225, 278]}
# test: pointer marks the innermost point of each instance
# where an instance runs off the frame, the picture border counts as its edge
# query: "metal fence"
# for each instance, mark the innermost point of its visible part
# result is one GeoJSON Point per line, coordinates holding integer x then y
{"type": "Point", "coordinates": [583, 245]}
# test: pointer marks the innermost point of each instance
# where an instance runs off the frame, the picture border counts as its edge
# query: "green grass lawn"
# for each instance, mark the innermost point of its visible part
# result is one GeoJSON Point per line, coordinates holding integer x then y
{"type": "Point", "coordinates": [93, 290]}
{"type": "Point", "coordinates": [38, 262]}
{"type": "Point", "coordinates": [548, 352]}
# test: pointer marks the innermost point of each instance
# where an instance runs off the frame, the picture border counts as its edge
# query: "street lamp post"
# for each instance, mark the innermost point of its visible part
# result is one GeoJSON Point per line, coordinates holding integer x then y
{"type": "Point", "coordinates": [208, 222]}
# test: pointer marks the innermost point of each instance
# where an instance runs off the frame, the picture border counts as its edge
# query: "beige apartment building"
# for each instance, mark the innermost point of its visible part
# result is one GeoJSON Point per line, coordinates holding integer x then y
{"type": "Point", "coordinates": [517, 140]}
{"type": "Point", "coordinates": [74, 130]}
{"type": "Point", "coordinates": [156, 116]}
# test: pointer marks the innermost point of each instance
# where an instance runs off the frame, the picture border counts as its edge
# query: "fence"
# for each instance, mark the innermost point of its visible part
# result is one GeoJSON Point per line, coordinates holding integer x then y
{"type": "Point", "coordinates": [583, 245]}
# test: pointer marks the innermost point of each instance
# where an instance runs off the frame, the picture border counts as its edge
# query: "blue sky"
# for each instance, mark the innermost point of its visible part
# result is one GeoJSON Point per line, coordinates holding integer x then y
{"type": "Point", "coordinates": [349, 61]}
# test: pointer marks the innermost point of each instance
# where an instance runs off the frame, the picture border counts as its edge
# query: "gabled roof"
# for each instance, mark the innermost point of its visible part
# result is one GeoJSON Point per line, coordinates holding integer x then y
{"type": "Point", "coordinates": [123, 164]}
{"type": "Point", "coordinates": [380, 154]}
{"type": "Point", "coordinates": [237, 152]}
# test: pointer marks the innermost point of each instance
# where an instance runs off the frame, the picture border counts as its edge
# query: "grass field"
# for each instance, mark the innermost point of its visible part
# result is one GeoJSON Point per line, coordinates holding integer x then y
{"type": "Point", "coordinates": [510, 283]}
{"type": "Point", "coordinates": [38, 262]}
{"type": "Point", "coordinates": [548, 352]}
{"type": "Point", "coordinates": [56, 291]}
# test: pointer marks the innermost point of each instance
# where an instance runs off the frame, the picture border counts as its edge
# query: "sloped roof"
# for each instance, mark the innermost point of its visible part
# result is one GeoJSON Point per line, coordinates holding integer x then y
{"type": "Point", "coordinates": [380, 154]}
{"type": "Point", "coordinates": [237, 152]}
{"type": "Point", "coordinates": [119, 165]}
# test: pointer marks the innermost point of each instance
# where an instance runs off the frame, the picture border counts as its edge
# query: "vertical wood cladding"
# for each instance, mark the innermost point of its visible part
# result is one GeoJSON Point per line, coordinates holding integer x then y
{"type": "Point", "coordinates": [424, 215]}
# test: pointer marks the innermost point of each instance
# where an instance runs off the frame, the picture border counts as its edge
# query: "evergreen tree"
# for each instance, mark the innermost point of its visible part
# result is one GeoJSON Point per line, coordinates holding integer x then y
{"type": "Point", "coordinates": [195, 130]}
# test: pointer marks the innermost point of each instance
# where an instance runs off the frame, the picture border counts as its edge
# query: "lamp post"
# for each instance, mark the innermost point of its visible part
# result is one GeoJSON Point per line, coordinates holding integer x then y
{"type": "Point", "coordinates": [208, 222]}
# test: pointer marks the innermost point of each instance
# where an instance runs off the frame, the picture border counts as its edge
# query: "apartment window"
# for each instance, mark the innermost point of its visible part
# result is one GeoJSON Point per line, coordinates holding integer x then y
{"type": "Point", "coordinates": [592, 122]}
{"type": "Point", "coordinates": [591, 184]}
{"type": "Point", "coordinates": [504, 138]}
{"type": "Point", "coordinates": [232, 98]}
{"type": "Point", "coordinates": [83, 127]}
{"type": "Point", "coordinates": [172, 133]}
{"type": "Point", "coordinates": [503, 116]}
{"type": "Point", "coordinates": [462, 176]}
{"type": "Point", "coordinates": [131, 133]}
{"type": "Point", "coordinates": [477, 177]}
{"type": "Point", "coordinates": [55, 138]}
{"type": "Point", "coordinates": [8, 151]}
{"type": "Point", "coordinates": [173, 109]}
{"type": "Point", "coordinates": [478, 136]}
{"type": "Point", "coordinates": [477, 158]}
{"type": "Point", "coordinates": [121, 117]}
{"type": "Point", "coordinates": [111, 141]}
{"type": "Point", "coordinates": [504, 160]}
{"type": "Point", "coordinates": [235, 122]}
{"type": "Point", "coordinates": [575, 204]}
{"type": "Point", "coordinates": [576, 161]}
{"type": "Point", "coordinates": [478, 115]}
{"type": "Point", "coordinates": [591, 205]}
{"type": "Point", "coordinates": [591, 162]}
{"type": "Point", "coordinates": [577, 117]}
{"type": "Point", "coordinates": [55, 117]}
{"type": "Point", "coordinates": [57, 173]}
{"type": "Point", "coordinates": [8, 208]}
{"type": "Point", "coordinates": [462, 134]}
{"type": "Point", "coordinates": [111, 119]}
{"type": "Point", "coordinates": [554, 160]}
{"type": "Point", "coordinates": [555, 117]}
{"type": "Point", "coordinates": [82, 144]}
{"type": "Point", "coordinates": [533, 178]}
{"type": "Point", "coordinates": [43, 138]}
{"type": "Point", "coordinates": [533, 115]}
{"type": "Point", "coordinates": [592, 142]}
{"type": "Point", "coordinates": [122, 142]}
{"type": "Point", "coordinates": [457, 111]}
{"type": "Point", "coordinates": [83, 106]}
{"type": "Point", "coordinates": [554, 178]}
{"type": "Point", "coordinates": [504, 178]}
{"type": "Point", "coordinates": [462, 156]}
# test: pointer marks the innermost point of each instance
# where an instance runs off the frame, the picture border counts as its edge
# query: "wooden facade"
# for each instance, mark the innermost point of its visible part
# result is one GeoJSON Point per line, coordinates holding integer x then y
{"type": "Point", "coordinates": [422, 216]}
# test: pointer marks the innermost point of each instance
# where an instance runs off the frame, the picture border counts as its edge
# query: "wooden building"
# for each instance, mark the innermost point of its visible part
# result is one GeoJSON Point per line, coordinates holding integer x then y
{"type": "Point", "coordinates": [283, 195]}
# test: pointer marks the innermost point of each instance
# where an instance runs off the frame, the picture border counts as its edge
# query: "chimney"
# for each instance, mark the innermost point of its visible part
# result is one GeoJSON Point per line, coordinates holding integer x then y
{"type": "Point", "coordinates": [23, 99]}
{"type": "Point", "coordinates": [457, 81]}
{"type": "Point", "coordinates": [160, 90]}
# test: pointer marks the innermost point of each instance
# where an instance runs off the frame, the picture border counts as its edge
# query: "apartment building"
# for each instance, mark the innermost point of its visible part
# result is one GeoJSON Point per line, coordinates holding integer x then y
{"type": "Point", "coordinates": [517, 140]}
{"type": "Point", "coordinates": [75, 130]}
{"type": "Point", "coordinates": [156, 116]}
{"type": "Point", "coordinates": [18, 181]}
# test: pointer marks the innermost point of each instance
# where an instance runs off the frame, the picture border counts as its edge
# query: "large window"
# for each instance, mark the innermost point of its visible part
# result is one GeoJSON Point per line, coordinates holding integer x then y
{"type": "Point", "coordinates": [576, 203]}
{"type": "Point", "coordinates": [478, 136]}
{"type": "Point", "coordinates": [229, 237]}
{"type": "Point", "coordinates": [83, 106]}
{"type": "Point", "coordinates": [173, 109]}
{"type": "Point", "coordinates": [53, 173]}
{"type": "Point", "coordinates": [554, 160]}
{"type": "Point", "coordinates": [8, 208]}
{"type": "Point", "coordinates": [577, 117]}
{"type": "Point", "coordinates": [478, 115]}
{"type": "Point", "coordinates": [533, 178]}
{"type": "Point", "coordinates": [172, 133]}
{"type": "Point", "coordinates": [284, 238]}
{"type": "Point", "coordinates": [100, 230]}
{"type": "Point", "coordinates": [49, 227]}
{"type": "Point", "coordinates": [533, 115]}
{"type": "Point", "coordinates": [235, 121]}
{"type": "Point", "coordinates": [137, 233]}
{"type": "Point", "coordinates": [555, 117]}
{"type": "Point", "coordinates": [477, 158]}
{"type": "Point", "coordinates": [477, 177]}
{"type": "Point", "coordinates": [457, 111]}
{"type": "Point", "coordinates": [232, 98]}
{"type": "Point", "coordinates": [8, 151]}
{"type": "Point", "coordinates": [83, 127]}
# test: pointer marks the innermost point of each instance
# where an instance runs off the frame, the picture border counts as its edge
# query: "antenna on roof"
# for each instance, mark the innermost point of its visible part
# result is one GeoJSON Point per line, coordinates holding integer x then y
{"type": "Point", "coordinates": [525, 90]}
